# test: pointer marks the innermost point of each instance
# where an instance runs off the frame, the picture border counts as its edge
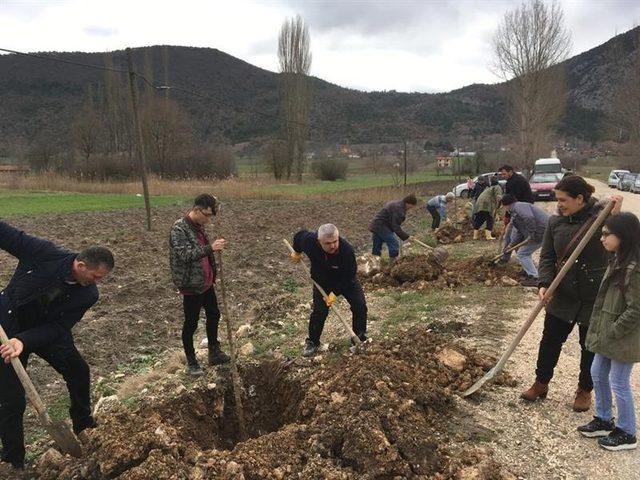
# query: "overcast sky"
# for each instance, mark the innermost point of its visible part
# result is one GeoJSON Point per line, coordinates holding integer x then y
{"type": "Point", "coordinates": [420, 45]}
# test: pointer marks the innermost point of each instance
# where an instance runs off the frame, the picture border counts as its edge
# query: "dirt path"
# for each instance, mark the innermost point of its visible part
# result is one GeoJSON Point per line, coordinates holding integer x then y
{"type": "Point", "coordinates": [539, 441]}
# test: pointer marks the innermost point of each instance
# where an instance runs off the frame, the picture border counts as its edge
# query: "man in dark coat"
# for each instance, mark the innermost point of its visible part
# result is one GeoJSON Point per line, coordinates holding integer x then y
{"type": "Point", "coordinates": [49, 293]}
{"type": "Point", "coordinates": [334, 268]}
{"type": "Point", "coordinates": [517, 185]}
{"type": "Point", "coordinates": [388, 223]}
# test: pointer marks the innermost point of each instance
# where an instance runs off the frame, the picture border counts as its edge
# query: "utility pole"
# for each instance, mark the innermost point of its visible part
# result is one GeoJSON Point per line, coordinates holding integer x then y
{"type": "Point", "coordinates": [405, 164]}
{"type": "Point", "coordinates": [140, 150]}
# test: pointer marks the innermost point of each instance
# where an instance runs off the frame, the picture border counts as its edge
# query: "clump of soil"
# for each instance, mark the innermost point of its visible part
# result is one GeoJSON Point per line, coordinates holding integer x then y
{"type": "Point", "coordinates": [386, 413]}
{"type": "Point", "coordinates": [462, 232]}
{"type": "Point", "coordinates": [421, 271]}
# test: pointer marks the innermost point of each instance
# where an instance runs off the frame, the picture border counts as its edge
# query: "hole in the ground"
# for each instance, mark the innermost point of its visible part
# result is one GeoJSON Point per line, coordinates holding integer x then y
{"type": "Point", "coordinates": [208, 417]}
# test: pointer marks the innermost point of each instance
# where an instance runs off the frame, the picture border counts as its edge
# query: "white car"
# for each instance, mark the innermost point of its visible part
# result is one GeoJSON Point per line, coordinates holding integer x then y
{"type": "Point", "coordinates": [614, 177]}
{"type": "Point", "coordinates": [462, 190]}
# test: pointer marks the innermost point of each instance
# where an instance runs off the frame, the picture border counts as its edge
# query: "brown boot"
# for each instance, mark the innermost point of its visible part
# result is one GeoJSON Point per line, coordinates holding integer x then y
{"type": "Point", "coordinates": [536, 391]}
{"type": "Point", "coordinates": [582, 402]}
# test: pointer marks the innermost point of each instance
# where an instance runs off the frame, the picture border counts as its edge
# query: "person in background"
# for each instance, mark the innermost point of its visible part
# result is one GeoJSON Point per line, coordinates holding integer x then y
{"type": "Point", "coordinates": [485, 208]}
{"type": "Point", "coordinates": [437, 207]}
{"type": "Point", "coordinates": [388, 223]}
{"type": "Point", "coordinates": [517, 185]}
{"type": "Point", "coordinates": [614, 335]}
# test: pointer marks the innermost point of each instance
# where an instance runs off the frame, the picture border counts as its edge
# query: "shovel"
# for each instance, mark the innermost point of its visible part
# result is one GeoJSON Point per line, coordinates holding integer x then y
{"type": "Point", "coordinates": [354, 338]}
{"type": "Point", "coordinates": [235, 376]}
{"type": "Point", "coordinates": [59, 431]}
{"type": "Point", "coordinates": [509, 250]}
{"type": "Point", "coordinates": [548, 294]}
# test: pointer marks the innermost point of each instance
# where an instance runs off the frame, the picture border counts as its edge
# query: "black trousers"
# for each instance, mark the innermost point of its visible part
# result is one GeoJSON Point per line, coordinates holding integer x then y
{"type": "Point", "coordinates": [355, 296]}
{"type": "Point", "coordinates": [435, 223]}
{"type": "Point", "coordinates": [67, 361]}
{"type": "Point", "coordinates": [554, 335]}
{"type": "Point", "coordinates": [192, 305]}
{"type": "Point", "coordinates": [482, 217]}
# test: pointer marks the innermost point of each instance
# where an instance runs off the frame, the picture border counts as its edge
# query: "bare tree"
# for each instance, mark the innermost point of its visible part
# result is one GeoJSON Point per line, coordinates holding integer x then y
{"type": "Point", "coordinates": [626, 100]}
{"type": "Point", "coordinates": [294, 56]}
{"type": "Point", "coordinates": [529, 46]}
{"type": "Point", "coordinates": [88, 127]}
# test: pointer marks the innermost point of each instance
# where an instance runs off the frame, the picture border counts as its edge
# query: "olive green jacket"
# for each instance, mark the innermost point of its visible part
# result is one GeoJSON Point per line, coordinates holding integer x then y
{"type": "Point", "coordinates": [488, 200]}
{"type": "Point", "coordinates": [614, 330]}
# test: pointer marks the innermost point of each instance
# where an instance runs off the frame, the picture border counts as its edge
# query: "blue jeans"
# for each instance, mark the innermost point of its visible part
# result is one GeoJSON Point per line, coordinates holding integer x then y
{"type": "Point", "coordinates": [609, 374]}
{"type": "Point", "coordinates": [524, 257]}
{"type": "Point", "coordinates": [392, 244]}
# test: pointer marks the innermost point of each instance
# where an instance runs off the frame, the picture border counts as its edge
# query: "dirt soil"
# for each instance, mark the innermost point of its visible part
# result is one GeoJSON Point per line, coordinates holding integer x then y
{"type": "Point", "coordinates": [384, 413]}
{"type": "Point", "coordinates": [421, 271]}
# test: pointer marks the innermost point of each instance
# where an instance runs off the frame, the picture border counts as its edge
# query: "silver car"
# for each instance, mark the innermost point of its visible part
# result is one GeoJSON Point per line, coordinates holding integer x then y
{"type": "Point", "coordinates": [635, 188]}
{"type": "Point", "coordinates": [462, 190]}
{"type": "Point", "coordinates": [627, 180]}
{"type": "Point", "coordinates": [614, 177]}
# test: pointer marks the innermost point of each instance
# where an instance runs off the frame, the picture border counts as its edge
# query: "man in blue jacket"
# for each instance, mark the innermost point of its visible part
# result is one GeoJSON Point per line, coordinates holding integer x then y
{"type": "Point", "coordinates": [49, 293]}
{"type": "Point", "coordinates": [334, 268]}
{"type": "Point", "coordinates": [528, 222]}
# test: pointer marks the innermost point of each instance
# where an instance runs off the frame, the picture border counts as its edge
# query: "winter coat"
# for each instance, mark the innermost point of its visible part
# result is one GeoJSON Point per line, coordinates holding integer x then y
{"type": "Point", "coordinates": [488, 200]}
{"type": "Point", "coordinates": [573, 299]}
{"type": "Point", "coordinates": [529, 221]}
{"type": "Point", "coordinates": [439, 202]}
{"type": "Point", "coordinates": [614, 330]}
{"type": "Point", "coordinates": [334, 273]}
{"type": "Point", "coordinates": [389, 220]}
{"type": "Point", "coordinates": [39, 306]}
{"type": "Point", "coordinates": [185, 255]}
{"type": "Point", "coordinates": [519, 187]}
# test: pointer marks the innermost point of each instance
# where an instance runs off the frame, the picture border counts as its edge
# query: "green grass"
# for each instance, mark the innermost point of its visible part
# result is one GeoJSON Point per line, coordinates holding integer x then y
{"type": "Point", "coordinates": [39, 203]}
{"type": "Point", "coordinates": [355, 182]}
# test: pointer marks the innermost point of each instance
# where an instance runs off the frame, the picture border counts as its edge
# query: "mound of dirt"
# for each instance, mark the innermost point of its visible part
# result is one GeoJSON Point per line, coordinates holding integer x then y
{"type": "Point", "coordinates": [449, 233]}
{"type": "Point", "coordinates": [386, 413]}
{"type": "Point", "coordinates": [421, 271]}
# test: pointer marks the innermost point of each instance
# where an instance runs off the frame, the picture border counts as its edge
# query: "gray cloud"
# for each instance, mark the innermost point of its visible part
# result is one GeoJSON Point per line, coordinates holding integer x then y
{"type": "Point", "coordinates": [100, 31]}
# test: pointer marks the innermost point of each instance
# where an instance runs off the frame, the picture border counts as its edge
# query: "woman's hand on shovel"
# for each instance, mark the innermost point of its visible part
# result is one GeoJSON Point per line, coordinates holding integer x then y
{"type": "Point", "coordinates": [12, 350]}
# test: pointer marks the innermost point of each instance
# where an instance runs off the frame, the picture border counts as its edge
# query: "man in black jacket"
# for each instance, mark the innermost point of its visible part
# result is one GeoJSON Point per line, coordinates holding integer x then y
{"type": "Point", "coordinates": [517, 185]}
{"type": "Point", "coordinates": [333, 266]}
{"type": "Point", "coordinates": [49, 293]}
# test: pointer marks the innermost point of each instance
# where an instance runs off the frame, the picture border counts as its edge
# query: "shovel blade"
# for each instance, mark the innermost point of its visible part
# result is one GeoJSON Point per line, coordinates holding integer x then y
{"type": "Point", "coordinates": [476, 386]}
{"type": "Point", "coordinates": [64, 438]}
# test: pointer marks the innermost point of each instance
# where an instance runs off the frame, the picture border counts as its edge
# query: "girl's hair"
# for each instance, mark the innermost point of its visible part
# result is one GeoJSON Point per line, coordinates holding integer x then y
{"type": "Point", "coordinates": [574, 185]}
{"type": "Point", "coordinates": [494, 180]}
{"type": "Point", "coordinates": [626, 227]}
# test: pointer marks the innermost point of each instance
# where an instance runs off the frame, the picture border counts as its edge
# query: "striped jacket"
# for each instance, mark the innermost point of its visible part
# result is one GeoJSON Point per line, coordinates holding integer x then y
{"type": "Point", "coordinates": [185, 257]}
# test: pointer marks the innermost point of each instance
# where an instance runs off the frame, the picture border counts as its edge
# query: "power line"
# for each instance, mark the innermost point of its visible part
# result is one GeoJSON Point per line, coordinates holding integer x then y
{"type": "Point", "coordinates": [61, 60]}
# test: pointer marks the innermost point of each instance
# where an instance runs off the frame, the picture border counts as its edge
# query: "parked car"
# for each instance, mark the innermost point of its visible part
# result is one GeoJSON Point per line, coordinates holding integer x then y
{"type": "Point", "coordinates": [635, 188]}
{"type": "Point", "coordinates": [463, 191]}
{"type": "Point", "coordinates": [626, 181]}
{"type": "Point", "coordinates": [614, 177]}
{"type": "Point", "coordinates": [542, 185]}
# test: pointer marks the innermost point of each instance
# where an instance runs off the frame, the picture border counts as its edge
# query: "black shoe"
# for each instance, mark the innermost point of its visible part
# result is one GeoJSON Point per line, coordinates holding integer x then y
{"type": "Point", "coordinates": [530, 281]}
{"type": "Point", "coordinates": [310, 348]}
{"type": "Point", "coordinates": [88, 423]}
{"type": "Point", "coordinates": [597, 428]}
{"type": "Point", "coordinates": [193, 367]}
{"type": "Point", "coordinates": [618, 440]}
{"type": "Point", "coordinates": [217, 356]}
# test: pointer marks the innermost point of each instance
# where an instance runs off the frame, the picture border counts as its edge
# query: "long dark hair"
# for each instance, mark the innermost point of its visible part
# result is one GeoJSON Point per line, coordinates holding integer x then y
{"type": "Point", "coordinates": [626, 227]}
{"type": "Point", "coordinates": [575, 185]}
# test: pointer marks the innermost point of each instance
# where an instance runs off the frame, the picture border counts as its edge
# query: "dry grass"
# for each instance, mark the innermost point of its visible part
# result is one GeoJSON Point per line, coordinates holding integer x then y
{"type": "Point", "coordinates": [227, 189]}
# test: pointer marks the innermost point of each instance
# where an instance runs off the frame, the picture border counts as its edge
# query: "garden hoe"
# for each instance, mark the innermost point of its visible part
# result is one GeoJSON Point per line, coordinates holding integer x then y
{"type": "Point", "coordinates": [59, 431]}
{"type": "Point", "coordinates": [235, 376]}
{"type": "Point", "coordinates": [359, 344]}
{"type": "Point", "coordinates": [491, 374]}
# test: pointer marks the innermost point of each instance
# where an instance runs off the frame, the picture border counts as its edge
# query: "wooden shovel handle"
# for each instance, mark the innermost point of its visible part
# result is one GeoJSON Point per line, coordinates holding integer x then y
{"type": "Point", "coordinates": [510, 249]}
{"type": "Point", "coordinates": [26, 382]}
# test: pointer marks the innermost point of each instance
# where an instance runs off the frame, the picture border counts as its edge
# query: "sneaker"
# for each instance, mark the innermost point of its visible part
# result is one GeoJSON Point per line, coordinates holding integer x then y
{"type": "Point", "coordinates": [193, 368]}
{"type": "Point", "coordinates": [618, 440]}
{"type": "Point", "coordinates": [310, 348]}
{"type": "Point", "coordinates": [597, 428]}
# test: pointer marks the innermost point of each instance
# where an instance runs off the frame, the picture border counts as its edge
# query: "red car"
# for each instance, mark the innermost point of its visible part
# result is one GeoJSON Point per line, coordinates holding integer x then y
{"type": "Point", "coordinates": [542, 185]}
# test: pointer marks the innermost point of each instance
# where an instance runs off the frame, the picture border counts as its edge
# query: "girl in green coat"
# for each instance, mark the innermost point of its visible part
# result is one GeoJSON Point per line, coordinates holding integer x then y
{"type": "Point", "coordinates": [614, 335]}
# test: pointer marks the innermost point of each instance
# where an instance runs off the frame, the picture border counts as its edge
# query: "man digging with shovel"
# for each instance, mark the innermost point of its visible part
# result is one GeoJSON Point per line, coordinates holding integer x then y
{"type": "Point", "coordinates": [334, 268]}
{"type": "Point", "coordinates": [193, 270]}
{"type": "Point", "coordinates": [49, 293]}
